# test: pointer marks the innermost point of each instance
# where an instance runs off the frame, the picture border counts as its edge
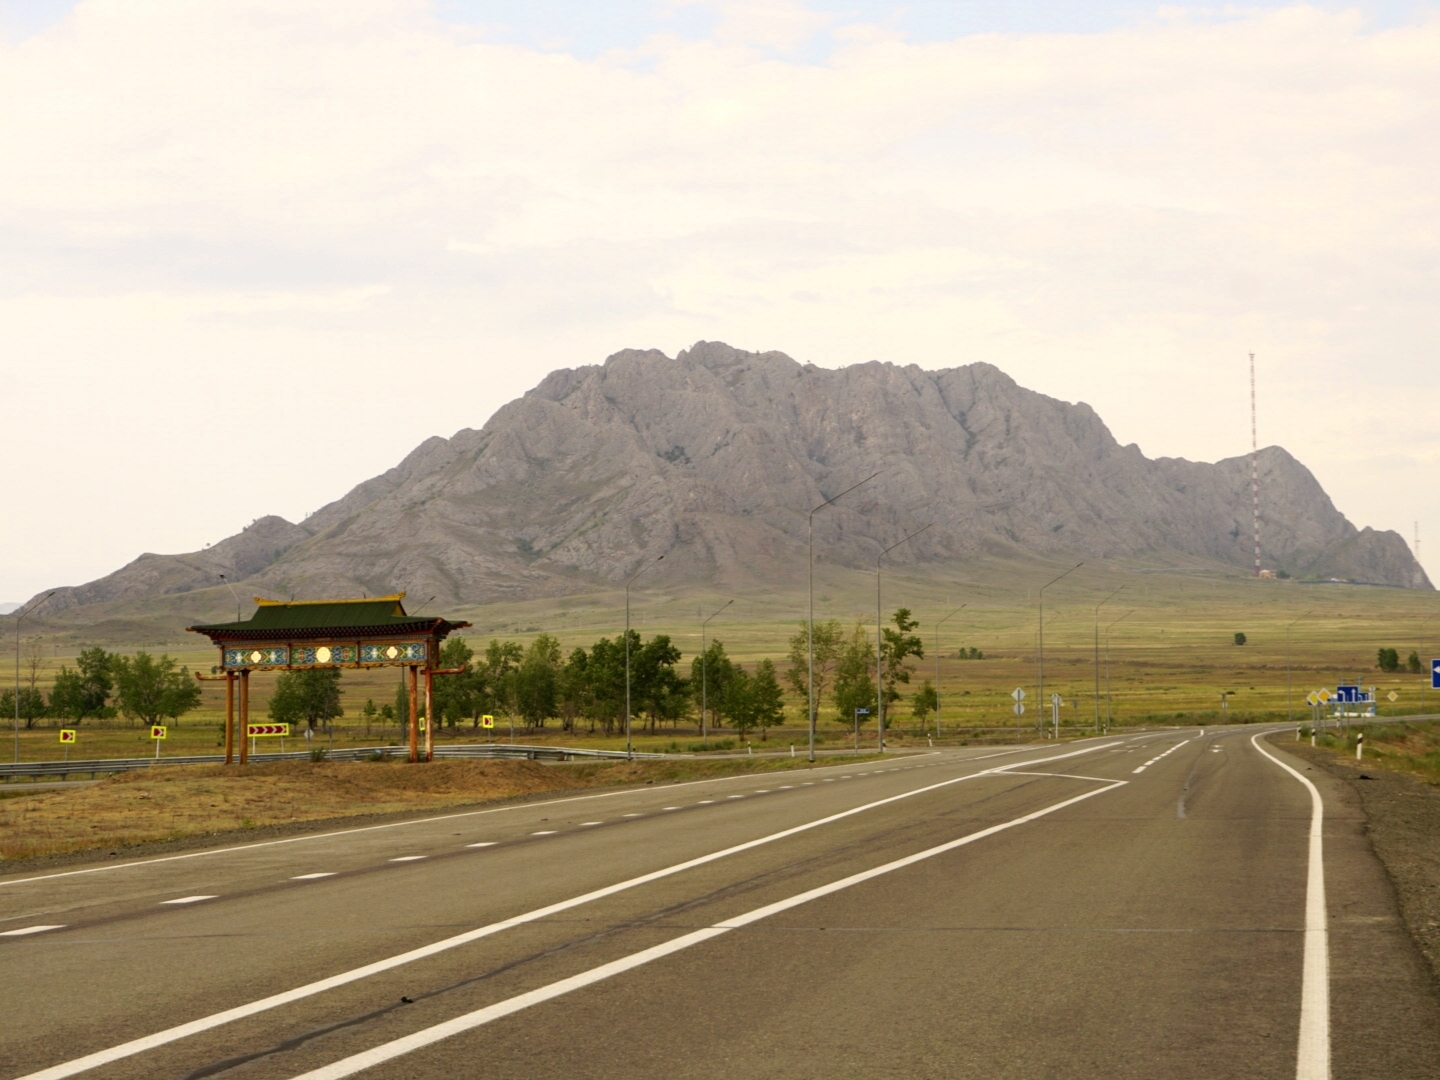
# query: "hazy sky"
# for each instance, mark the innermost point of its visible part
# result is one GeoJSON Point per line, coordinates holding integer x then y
{"type": "Point", "coordinates": [253, 251]}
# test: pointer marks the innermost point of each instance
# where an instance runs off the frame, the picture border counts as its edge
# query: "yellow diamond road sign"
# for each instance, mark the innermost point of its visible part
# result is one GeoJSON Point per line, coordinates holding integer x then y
{"type": "Point", "coordinates": [1394, 696]}
{"type": "Point", "coordinates": [1313, 698]}
{"type": "Point", "coordinates": [1323, 695]}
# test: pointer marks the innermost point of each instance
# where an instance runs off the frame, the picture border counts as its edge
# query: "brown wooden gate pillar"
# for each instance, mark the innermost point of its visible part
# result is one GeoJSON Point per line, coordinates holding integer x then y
{"type": "Point", "coordinates": [244, 715]}
{"type": "Point", "coordinates": [229, 718]}
{"type": "Point", "coordinates": [414, 696]}
{"type": "Point", "coordinates": [429, 715]}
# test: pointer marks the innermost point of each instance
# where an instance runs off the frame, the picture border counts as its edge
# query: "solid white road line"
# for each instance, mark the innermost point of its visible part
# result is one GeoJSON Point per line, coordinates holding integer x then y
{"type": "Point", "coordinates": [188, 900]}
{"type": "Point", "coordinates": [285, 997]}
{"type": "Point", "coordinates": [31, 930]}
{"type": "Point", "coordinates": [399, 1047]}
{"type": "Point", "coordinates": [1313, 1053]}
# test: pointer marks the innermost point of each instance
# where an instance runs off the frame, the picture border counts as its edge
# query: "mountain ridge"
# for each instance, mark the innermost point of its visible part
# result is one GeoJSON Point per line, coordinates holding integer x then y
{"type": "Point", "coordinates": [714, 458]}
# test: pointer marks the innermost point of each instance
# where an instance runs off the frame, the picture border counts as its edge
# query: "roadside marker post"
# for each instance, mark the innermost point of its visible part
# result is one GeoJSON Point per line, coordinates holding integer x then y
{"type": "Point", "coordinates": [1055, 702]}
{"type": "Point", "coordinates": [67, 736]}
{"type": "Point", "coordinates": [1359, 746]}
{"type": "Point", "coordinates": [157, 732]}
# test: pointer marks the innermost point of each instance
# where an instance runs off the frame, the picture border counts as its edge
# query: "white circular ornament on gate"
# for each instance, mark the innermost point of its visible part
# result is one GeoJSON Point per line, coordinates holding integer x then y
{"type": "Point", "coordinates": [392, 652]}
{"type": "Point", "coordinates": [322, 655]}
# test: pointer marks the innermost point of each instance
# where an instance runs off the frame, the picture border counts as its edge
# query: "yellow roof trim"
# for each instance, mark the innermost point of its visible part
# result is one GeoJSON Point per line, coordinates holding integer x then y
{"type": "Point", "coordinates": [353, 600]}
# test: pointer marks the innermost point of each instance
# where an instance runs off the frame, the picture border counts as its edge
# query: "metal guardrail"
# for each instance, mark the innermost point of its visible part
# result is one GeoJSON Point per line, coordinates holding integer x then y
{"type": "Point", "coordinates": [110, 766]}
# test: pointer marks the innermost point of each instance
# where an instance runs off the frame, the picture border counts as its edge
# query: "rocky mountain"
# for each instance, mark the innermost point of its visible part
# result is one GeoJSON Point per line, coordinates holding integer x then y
{"type": "Point", "coordinates": [714, 458]}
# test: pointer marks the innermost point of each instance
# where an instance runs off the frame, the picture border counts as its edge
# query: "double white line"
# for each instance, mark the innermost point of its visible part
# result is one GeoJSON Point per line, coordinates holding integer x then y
{"type": "Point", "coordinates": [214, 1020]}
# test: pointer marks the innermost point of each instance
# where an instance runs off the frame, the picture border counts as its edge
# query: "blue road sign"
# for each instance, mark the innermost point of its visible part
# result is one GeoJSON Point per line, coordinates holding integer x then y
{"type": "Point", "coordinates": [1435, 674]}
{"type": "Point", "coordinates": [863, 712]}
{"type": "Point", "coordinates": [1347, 694]}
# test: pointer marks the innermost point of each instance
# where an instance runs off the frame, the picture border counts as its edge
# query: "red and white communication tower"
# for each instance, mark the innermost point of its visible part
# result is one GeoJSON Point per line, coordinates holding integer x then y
{"type": "Point", "coordinates": [1254, 467]}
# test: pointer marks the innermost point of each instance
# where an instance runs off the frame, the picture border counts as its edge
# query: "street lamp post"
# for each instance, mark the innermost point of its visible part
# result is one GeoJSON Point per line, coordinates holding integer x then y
{"type": "Point", "coordinates": [1107, 664]}
{"type": "Point", "coordinates": [957, 611]}
{"type": "Point", "coordinates": [629, 749]}
{"type": "Point", "coordinates": [1097, 654]}
{"type": "Point", "coordinates": [880, 641]}
{"type": "Point", "coordinates": [18, 616]}
{"type": "Point", "coordinates": [1289, 713]}
{"type": "Point", "coordinates": [810, 617]}
{"type": "Point", "coordinates": [703, 695]}
{"type": "Point", "coordinates": [1040, 695]}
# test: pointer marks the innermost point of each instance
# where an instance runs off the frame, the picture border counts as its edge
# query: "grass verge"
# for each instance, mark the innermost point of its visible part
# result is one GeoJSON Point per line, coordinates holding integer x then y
{"type": "Point", "coordinates": [166, 804]}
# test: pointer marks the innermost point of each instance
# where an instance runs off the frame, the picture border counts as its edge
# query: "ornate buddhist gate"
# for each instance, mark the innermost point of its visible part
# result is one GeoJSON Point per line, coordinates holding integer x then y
{"type": "Point", "coordinates": [297, 635]}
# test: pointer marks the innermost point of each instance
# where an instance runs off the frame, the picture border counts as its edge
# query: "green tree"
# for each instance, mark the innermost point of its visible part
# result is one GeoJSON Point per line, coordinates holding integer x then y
{"type": "Point", "coordinates": [368, 711]}
{"type": "Point", "coordinates": [1412, 663]}
{"type": "Point", "coordinates": [656, 690]}
{"type": "Point", "coordinates": [898, 646]}
{"type": "Point", "coordinates": [829, 640]}
{"type": "Point", "coordinates": [766, 698]}
{"type": "Point", "coordinates": [86, 690]}
{"type": "Point", "coordinates": [501, 660]}
{"type": "Point", "coordinates": [710, 676]}
{"type": "Point", "coordinates": [1240, 639]}
{"type": "Point", "coordinates": [854, 677]}
{"type": "Point", "coordinates": [32, 705]}
{"type": "Point", "coordinates": [925, 701]}
{"type": "Point", "coordinates": [1387, 660]}
{"type": "Point", "coordinates": [459, 697]}
{"type": "Point", "coordinates": [537, 682]}
{"type": "Point", "coordinates": [401, 709]}
{"type": "Point", "coordinates": [312, 696]}
{"type": "Point", "coordinates": [151, 690]}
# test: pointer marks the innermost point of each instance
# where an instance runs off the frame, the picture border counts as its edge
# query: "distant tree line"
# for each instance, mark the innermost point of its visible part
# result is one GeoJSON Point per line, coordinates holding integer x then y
{"type": "Point", "coordinates": [1389, 660]}
{"type": "Point", "coordinates": [141, 688]}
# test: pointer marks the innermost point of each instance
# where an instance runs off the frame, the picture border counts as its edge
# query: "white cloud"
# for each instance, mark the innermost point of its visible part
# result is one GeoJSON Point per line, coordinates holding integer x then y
{"type": "Point", "coordinates": [336, 229]}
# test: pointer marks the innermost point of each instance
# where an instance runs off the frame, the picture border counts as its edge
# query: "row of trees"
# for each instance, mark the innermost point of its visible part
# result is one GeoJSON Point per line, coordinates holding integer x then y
{"type": "Point", "coordinates": [141, 688]}
{"type": "Point", "coordinates": [1389, 660]}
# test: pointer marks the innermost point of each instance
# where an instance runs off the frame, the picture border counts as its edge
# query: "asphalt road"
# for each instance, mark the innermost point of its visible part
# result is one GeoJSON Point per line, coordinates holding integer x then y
{"type": "Point", "coordinates": [1122, 907]}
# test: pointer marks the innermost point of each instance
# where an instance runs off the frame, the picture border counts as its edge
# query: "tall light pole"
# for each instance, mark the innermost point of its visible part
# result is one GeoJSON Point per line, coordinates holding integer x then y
{"type": "Point", "coordinates": [1289, 713]}
{"type": "Point", "coordinates": [703, 695]}
{"type": "Point", "coordinates": [629, 750]}
{"type": "Point", "coordinates": [880, 641]}
{"type": "Point", "coordinates": [957, 611]}
{"type": "Point", "coordinates": [1107, 665]}
{"type": "Point", "coordinates": [1040, 693]}
{"type": "Point", "coordinates": [810, 619]}
{"type": "Point", "coordinates": [1097, 654]}
{"type": "Point", "coordinates": [18, 616]}
{"type": "Point", "coordinates": [1420, 650]}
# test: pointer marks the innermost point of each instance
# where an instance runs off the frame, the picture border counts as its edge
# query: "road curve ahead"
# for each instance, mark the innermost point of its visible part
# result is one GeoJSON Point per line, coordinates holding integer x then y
{"type": "Point", "coordinates": [1176, 904]}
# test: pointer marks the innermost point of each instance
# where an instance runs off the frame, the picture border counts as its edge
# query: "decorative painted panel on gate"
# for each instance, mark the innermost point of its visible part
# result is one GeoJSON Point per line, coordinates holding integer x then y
{"type": "Point", "coordinates": [266, 656]}
{"type": "Point", "coordinates": [412, 652]}
{"type": "Point", "coordinates": [322, 654]}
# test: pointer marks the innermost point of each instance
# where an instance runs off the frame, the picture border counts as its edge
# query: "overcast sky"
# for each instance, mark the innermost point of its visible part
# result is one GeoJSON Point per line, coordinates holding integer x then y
{"type": "Point", "coordinates": [254, 251]}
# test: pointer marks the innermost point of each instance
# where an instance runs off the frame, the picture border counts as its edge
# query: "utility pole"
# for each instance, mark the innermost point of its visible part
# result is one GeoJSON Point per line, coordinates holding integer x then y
{"type": "Point", "coordinates": [1254, 467]}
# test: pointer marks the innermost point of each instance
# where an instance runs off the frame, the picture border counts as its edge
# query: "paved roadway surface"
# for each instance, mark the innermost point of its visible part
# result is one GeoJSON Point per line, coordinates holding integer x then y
{"type": "Point", "coordinates": [1080, 910]}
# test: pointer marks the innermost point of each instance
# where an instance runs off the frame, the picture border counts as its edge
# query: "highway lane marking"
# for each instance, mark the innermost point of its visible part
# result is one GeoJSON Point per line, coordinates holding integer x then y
{"type": "Point", "coordinates": [407, 858]}
{"type": "Point", "coordinates": [669, 808]}
{"type": "Point", "coordinates": [1312, 1055]}
{"type": "Point", "coordinates": [413, 821]}
{"type": "Point", "coordinates": [1166, 754]}
{"type": "Point", "coordinates": [24, 930]}
{"type": "Point", "coordinates": [189, 900]}
{"type": "Point", "coordinates": [492, 843]}
{"type": "Point", "coordinates": [705, 802]}
{"type": "Point", "coordinates": [545, 832]}
{"type": "Point", "coordinates": [285, 997]}
{"type": "Point", "coordinates": [313, 877]}
{"type": "Point", "coordinates": [468, 1022]}
{"type": "Point", "coordinates": [632, 815]}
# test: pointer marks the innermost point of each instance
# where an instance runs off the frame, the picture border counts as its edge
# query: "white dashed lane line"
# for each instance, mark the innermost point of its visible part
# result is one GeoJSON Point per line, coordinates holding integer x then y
{"type": "Point", "coordinates": [408, 858]}
{"type": "Point", "coordinates": [31, 930]}
{"type": "Point", "coordinates": [1167, 753]}
{"type": "Point", "coordinates": [492, 843]}
{"type": "Point", "coordinates": [312, 877]}
{"type": "Point", "coordinates": [188, 900]}
{"type": "Point", "coordinates": [545, 832]}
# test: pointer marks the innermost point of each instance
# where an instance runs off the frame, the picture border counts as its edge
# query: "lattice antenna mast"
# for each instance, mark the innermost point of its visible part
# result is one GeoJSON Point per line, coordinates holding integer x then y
{"type": "Point", "coordinates": [1254, 467]}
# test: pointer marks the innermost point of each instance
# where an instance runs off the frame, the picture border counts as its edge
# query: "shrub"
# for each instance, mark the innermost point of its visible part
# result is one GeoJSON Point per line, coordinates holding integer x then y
{"type": "Point", "coordinates": [1239, 639]}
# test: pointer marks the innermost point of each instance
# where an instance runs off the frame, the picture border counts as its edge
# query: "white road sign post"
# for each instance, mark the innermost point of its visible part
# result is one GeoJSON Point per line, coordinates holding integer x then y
{"type": "Point", "coordinates": [1055, 702]}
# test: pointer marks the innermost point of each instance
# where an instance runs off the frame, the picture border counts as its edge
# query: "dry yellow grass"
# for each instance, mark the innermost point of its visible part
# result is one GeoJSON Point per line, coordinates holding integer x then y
{"type": "Point", "coordinates": [167, 804]}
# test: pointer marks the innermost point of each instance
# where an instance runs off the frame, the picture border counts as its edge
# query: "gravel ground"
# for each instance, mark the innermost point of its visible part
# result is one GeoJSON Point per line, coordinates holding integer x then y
{"type": "Point", "coordinates": [1403, 821]}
